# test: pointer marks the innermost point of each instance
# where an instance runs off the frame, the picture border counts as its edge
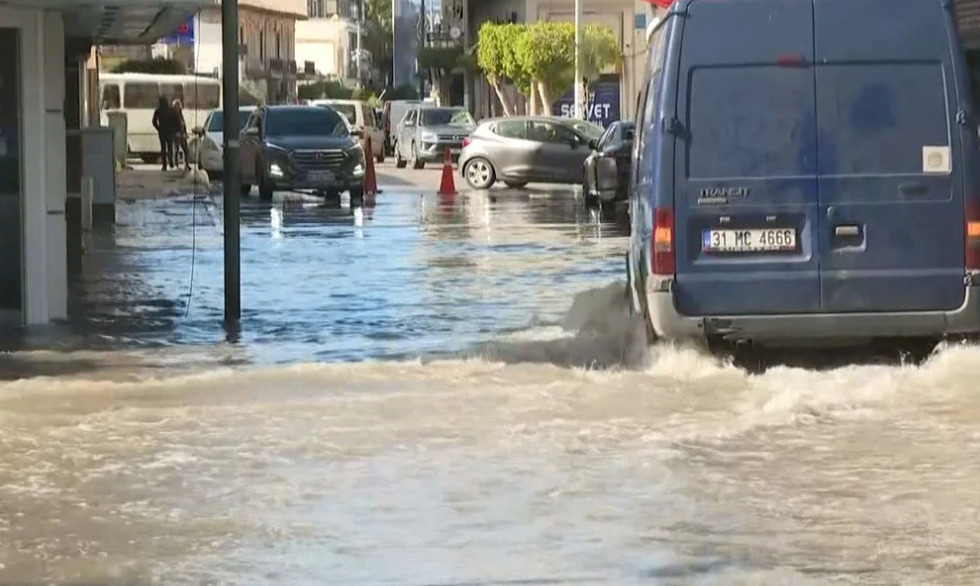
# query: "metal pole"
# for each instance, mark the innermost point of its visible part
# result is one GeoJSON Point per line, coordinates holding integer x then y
{"type": "Point", "coordinates": [360, 25]}
{"type": "Point", "coordinates": [421, 44]}
{"type": "Point", "coordinates": [232, 185]}
{"type": "Point", "coordinates": [579, 90]}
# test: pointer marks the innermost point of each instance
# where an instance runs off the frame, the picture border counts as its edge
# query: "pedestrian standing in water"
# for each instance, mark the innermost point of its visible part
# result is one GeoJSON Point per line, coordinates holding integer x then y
{"type": "Point", "coordinates": [181, 141]}
{"type": "Point", "coordinates": [165, 123]}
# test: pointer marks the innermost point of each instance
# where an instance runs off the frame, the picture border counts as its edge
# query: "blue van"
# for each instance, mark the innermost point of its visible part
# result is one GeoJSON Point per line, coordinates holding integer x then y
{"type": "Point", "coordinates": [806, 172]}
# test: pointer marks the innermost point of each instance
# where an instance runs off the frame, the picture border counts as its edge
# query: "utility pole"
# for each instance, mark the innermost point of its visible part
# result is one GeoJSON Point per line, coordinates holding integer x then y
{"type": "Point", "coordinates": [579, 89]}
{"type": "Point", "coordinates": [422, 39]}
{"type": "Point", "coordinates": [360, 25]}
{"type": "Point", "coordinates": [232, 185]}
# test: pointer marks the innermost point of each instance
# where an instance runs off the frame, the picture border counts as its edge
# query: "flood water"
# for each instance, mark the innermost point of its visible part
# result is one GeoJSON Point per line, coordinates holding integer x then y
{"type": "Point", "coordinates": [449, 393]}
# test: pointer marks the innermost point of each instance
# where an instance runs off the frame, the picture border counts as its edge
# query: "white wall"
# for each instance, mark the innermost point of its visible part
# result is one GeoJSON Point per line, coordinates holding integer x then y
{"type": "Point", "coordinates": [324, 42]}
{"type": "Point", "coordinates": [207, 41]}
{"type": "Point", "coordinates": [42, 67]}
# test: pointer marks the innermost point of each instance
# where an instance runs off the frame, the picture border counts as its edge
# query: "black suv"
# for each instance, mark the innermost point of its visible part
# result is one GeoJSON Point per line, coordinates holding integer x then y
{"type": "Point", "coordinates": [285, 148]}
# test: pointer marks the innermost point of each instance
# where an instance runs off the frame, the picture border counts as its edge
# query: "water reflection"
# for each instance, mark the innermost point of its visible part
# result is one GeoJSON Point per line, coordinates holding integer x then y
{"type": "Point", "coordinates": [401, 275]}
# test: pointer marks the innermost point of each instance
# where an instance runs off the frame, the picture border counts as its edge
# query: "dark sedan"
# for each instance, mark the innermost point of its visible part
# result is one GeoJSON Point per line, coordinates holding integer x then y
{"type": "Point", "coordinates": [616, 143]}
{"type": "Point", "coordinates": [286, 148]}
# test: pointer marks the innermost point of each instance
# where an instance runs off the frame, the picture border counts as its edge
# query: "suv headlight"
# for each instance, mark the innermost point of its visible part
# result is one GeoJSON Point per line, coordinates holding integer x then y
{"type": "Point", "coordinates": [429, 137]}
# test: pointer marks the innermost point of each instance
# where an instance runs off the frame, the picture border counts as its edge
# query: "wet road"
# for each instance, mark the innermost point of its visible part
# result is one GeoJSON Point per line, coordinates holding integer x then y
{"type": "Point", "coordinates": [504, 461]}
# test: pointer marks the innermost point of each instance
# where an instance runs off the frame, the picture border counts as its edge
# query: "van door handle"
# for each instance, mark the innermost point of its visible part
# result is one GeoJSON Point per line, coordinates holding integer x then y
{"type": "Point", "coordinates": [913, 189]}
{"type": "Point", "coordinates": [847, 230]}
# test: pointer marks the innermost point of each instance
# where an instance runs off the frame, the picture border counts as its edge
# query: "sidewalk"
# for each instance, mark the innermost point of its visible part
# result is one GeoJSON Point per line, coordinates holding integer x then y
{"type": "Point", "coordinates": [142, 183]}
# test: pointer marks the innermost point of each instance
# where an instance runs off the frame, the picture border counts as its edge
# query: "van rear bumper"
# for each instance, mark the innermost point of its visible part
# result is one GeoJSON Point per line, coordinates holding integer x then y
{"type": "Point", "coordinates": [668, 323]}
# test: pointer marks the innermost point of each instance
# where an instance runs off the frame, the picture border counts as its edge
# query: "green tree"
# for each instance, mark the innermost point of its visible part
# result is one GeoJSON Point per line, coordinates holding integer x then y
{"type": "Point", "coordinates": [157, 65]}
{"type": "Point", "coordinates": [490, 58]}
{"type": "Point", "coordinates": [599, 50]}
{"type": "Point", "coordinates": [378, 39]}
{"type": "Point", "coordinates": [546, 52]}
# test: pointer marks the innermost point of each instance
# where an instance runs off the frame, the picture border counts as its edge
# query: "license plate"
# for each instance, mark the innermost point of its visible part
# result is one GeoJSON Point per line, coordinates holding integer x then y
{"type": "Point", "coordinates": [320, 176]}
{"type": "Point", "coordinates": [749, 240]}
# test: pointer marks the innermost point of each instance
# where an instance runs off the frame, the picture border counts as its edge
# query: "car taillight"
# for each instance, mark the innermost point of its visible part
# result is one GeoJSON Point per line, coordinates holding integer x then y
{"type": "Point", "coordinates": [973, 236]}
{"type": "Point", "coordinates": [466, 142]}
{"type": "Point", "coordinates": [663, 241]}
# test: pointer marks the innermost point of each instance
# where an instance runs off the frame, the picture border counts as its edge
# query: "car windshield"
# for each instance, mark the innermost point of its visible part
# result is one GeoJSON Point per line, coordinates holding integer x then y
{"type": "Point", "coordinates": [217, 123]}
{"type": "Point", "coordinates": [321, 121]}
{"type": "Point", "coordinates": [348, 110]}
{"type": "Point", "coordinates": [587, 129]}
{"type": "Point", "coordinates": [446, 117]}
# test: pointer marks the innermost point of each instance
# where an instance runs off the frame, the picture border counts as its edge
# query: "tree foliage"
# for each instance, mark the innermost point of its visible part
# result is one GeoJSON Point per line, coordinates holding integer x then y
{"type": "Point", "coordinates": [158, 65]}
{"type": "Point", "coordinates": [378, 40]}
{"type": "Point", "coordinates": [540, 57]}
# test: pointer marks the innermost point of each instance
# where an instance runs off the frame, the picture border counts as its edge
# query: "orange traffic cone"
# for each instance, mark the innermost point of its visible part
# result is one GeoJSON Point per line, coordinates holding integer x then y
{"type": "Point", "coordinates": [370, 177]}
{"type": "Point", "coordinates": [448, 184]}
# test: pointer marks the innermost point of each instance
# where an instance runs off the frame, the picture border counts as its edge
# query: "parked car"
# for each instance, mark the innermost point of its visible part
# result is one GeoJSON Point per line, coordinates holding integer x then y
{"type": "Point", "coordinates": [208, 143]}
{"type": "Point", "coordinates": [426, 132]}
{"type": "Point", "coordinates": [526, 149]}
{"type": "Point", "coordinates": [394, 113]}
{"type": "Point", "coordinates": [361, 117]}
{"type": "Point", "coordinates": [289, 147]}
{"type": "Point", "coordinates": [616, 145]}
{"type": "Point", "coordinates": [831, 197]}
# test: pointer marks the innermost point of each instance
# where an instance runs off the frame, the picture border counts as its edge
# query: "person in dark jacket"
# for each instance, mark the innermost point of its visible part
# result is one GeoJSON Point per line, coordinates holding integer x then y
{"type": "Point", "coordinates": [181, 141]}
{"type": "Point", "coordinates": [165, 122]}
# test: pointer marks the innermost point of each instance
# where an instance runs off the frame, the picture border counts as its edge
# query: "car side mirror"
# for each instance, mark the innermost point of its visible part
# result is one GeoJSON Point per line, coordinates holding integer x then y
{"type": "Point", "coordinates": [251, 131]}
{"type": "Point", "coordinates": [357, 133]}
{"type": "Point", "coordinates": [198, 130]}
{"type": "Point", "coordinates": [607, 175]}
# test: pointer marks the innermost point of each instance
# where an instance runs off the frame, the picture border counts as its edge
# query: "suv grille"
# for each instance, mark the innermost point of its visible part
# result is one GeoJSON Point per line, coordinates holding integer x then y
{"type": "Point", "coordinates": [319, 160]}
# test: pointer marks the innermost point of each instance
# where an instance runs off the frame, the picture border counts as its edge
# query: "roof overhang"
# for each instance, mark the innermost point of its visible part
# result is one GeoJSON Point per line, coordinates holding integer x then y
{"type": "Point", "coordinates": [119, 22]}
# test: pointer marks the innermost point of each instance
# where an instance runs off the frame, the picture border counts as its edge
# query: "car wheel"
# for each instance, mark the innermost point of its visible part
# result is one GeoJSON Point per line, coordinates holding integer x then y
{"type": "Point", "coordinates": [399, 161]}
{"type": "Point", "coordinates": [416, 162]}
{"type": "Point", "coordinates": [265, 189]}
{"type": "Point", "coordinates": [516, 184]}
{"type": "Point", "coordinates": [328, 194]}
{"type": "Point", "coordinates": [356, 194]}
{"type": "Point", "coordinates": [479, 173]}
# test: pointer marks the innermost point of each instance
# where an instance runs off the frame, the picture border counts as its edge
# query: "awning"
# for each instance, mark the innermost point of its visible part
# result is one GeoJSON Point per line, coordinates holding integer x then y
{"type": "Point", "coordinates": [119, 22]}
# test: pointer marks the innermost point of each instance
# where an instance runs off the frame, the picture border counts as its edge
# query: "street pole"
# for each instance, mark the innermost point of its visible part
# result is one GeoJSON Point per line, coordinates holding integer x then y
{"type": "Point", "coordinates": [360, 25]}
{"type": "Point", "coordinates": [232, 184]}
{"type": "Point", "coordinates": [421, 45]}
{"type": "Point", "coordinates": [579, 89]}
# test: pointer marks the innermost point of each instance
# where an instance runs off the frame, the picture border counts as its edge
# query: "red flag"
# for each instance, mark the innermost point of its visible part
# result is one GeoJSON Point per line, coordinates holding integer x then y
{"type": "Point", "coordinates": [660, 3]}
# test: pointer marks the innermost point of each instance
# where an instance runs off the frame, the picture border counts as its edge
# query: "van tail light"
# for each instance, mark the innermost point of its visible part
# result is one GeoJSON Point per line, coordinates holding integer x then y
{"type": "Point", "coordinates": [973, 236]}
{"type": "Point", "coordinates": [663, 241]}
{"type": "Point", "coordinates": [466, 142]}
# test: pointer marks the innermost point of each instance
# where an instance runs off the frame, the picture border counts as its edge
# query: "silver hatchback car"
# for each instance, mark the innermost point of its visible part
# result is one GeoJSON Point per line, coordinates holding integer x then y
{"type": "Point", "coordinates": [527, 149]}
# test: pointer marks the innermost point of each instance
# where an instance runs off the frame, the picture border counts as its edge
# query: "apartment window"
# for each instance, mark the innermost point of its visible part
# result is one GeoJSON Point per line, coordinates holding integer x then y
{"type": "Point", "coordinates": [262, 46]}
{"type": "Point", "coordinates": [278, 45]}
{"type": "Point", "coordinates": [241, 35]}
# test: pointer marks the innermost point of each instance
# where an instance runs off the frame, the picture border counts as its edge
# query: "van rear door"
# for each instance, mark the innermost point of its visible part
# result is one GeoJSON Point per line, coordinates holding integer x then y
{"type": "Point", "coordinates": [745, 192]}
{"type": "Point", "coordinates": [891, 192]}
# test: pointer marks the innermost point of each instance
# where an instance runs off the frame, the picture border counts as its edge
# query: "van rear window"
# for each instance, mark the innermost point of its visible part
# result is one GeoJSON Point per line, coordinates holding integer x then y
{"type": "Point", "coordinates": [875, 118]}
{"type": "Point", "coordinates": [755, 121]}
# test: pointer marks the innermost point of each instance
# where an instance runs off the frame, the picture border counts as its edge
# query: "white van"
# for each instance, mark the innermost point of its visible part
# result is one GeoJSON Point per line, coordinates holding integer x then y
{"type": "Point", "coordinates": [137, 94]}
{"type": "Point", "coordinates": [360, 115]}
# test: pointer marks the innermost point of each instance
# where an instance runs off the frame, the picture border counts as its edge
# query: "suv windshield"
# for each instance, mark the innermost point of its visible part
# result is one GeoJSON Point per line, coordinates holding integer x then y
{"type": "Point", "coordinates": [311, 121]}
{"type": "Point", "coordinates": [446, 117]}
{"type": "Point", "coordinates": [217, 123]}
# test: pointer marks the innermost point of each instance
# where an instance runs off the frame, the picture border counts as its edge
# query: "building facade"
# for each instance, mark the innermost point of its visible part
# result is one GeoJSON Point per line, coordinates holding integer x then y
{"type": "Point", "coordinates": [628, 19]}
{"type": "Point", "coordinates": [267, 45]}
{"type": "Point", "coordinates": [43, 56]}
{"type": "Point", "coordinates": [326, 43]}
